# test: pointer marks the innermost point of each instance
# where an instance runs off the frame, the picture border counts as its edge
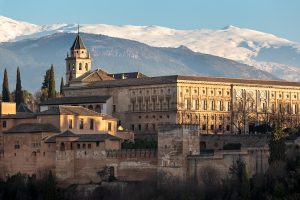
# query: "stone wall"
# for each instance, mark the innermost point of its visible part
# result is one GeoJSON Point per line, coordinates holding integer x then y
{"type": "Point", "coordinates": [85, 166]}
{"type": "Point", "coordinates": [179, 153]}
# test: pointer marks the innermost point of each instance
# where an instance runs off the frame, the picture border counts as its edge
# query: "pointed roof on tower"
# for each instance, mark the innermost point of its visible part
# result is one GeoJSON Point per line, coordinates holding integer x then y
{"type": "Point", "coordinates": [78, 43]}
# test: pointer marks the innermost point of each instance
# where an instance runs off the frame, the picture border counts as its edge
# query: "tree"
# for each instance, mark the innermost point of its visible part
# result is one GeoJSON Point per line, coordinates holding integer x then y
{"type": "Point", "coordinates": [45, 84]}
{"type": "Point", "coordinates": [5, 88]}
{"type": "Point", "coordinates": [51, 86]}
{"type": "Point", "coordinates": [61, 92]}
{"type": "Point", "coordinates": [277, 145]}
{"type": "Point", "coordinates": [243, 110]}
{"type": "Point", "coordinates": [19, 97]}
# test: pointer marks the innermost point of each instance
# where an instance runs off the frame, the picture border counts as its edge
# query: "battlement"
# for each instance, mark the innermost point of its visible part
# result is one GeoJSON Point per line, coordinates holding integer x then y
{"type": "Point", "coordinates": [132, 153]}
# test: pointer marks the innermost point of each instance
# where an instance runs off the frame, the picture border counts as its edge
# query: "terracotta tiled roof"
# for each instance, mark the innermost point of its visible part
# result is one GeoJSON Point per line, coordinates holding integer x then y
{"type": "Point", "coordinates": [33, 128]}
{"type": "Point", "coordinates": [239, 81]}
{"type": "Point", "coordinates": [92, 76]}
{"type": "Point", "coordinates": [177, 78]}
{"type": "Point", "coordinates": [74, 110]}
{"type": "Point", "coordinates": [75, 100]}
{"type": "Point", "coordinates": [95, 137]}
{"type": "Point", "coordinates": [67, 133]}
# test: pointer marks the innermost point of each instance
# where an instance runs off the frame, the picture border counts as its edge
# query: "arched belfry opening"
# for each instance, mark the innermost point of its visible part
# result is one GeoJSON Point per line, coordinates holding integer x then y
{"type": "Point", "coordinates": [79, 58]}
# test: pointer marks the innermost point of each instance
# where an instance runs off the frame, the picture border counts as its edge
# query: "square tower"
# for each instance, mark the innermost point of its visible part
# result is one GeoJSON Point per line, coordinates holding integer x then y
{"type": "Point", "coordinates": [79, 61]}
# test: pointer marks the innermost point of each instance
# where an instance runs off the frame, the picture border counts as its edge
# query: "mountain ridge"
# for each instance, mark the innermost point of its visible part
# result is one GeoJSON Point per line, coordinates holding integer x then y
{"type": "Point", "coordinates": [117, 55]}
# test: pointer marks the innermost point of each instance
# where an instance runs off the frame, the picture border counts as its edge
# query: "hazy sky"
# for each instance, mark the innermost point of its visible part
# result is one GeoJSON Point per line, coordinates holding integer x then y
{"type": "Point", "coordinates": [280, 17]}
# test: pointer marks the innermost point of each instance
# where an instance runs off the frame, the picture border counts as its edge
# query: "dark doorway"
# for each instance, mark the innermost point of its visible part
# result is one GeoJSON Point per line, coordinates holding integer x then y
{"type": "Point", "coordinates": [251, 128]}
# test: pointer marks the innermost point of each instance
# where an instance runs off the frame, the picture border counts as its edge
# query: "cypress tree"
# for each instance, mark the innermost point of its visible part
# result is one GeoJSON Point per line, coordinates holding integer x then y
{"type": "Point", "coordinates": [5, 88]}
{"type": "Point", "coordinates": [61, 92]}
{"type": "Point", "coordinates": [45, 84]}
{"type": "Point", "coordinates": [19, 98]}
{"type": "Point", "coordinates": [51, 87]}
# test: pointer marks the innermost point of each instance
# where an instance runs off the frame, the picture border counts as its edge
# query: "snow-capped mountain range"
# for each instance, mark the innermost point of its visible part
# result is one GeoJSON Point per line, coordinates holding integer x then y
{"type": "Point", "coordinates": [264, 51]}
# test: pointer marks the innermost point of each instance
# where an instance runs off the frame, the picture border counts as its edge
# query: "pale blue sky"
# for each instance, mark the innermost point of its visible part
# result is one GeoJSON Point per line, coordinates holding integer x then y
{"type": "Point", "coordinates": [280, 17]}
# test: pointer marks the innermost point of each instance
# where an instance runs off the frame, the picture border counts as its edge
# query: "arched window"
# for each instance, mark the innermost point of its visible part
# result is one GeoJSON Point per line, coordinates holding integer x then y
{"type": "Point", "coordinates": [80, 66]}
{"type": "Point", "coordinates": [98, 108]}
{"type": "Point", "coordinates": [90, 107]}
{"type": "Point", "coordinates": [69, 67]}
{"type": "Point", "coordinates": [86, 66]}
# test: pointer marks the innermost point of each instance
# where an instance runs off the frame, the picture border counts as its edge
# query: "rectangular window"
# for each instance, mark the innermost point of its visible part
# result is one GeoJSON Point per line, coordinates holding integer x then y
{"type": "Point", "coordinates": [78, 146]}
{"type": "Point", "coordinates": [212, 127]}
{"type": "Point", "coordinates": [213, 105]}
{"type": "Point", "coordinates": [280, 107]}
{"type": "Point", "coordinates": [17, 145]}
{"type": "Point", "coordinates": [109, 126]}
{"type": "Point", "coordinates": [70, 123]}
{"type": "Point", "coordinates": [153, 126]}
{"type": "Point", "coordinates": [97, 144]}
{"type": "Point", "coordinates": [140, 127]}
{"type": "Point", "coordinates": [132, 127]}
{"type": "Point", "coordinates": [273, 107]}
{"type": "Point", "coordinates": [228, 106]}
{"type": "Point", "coordinates": [89, 146]}
{"type": "Point", "coordinates": [83, 146]}
{"type": "Point", "coordinates": [114, 108]}
{"type": "Point", "coordinates": [92, 124]}
{"type": "Point", "coordinates": [186, 104]}
{"type": "Point", "coordinates": [204, 104]}
{"type": "Point", "coordinates": [81, 124]}
{"type": "Point", "coordinates": [4, 124]}
{"type": "Point", "coordinates": [227, 128]}
{"type": "Point", "coordinates": [203, 127]}
{"type": "Point", "coordinates": [220, 127]}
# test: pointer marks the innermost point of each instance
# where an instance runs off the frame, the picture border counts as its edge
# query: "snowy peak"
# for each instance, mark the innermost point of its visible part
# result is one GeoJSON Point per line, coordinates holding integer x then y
{"type": "Point", "coordinates": [10, 29]}
{"type": "Point", "coordinates": [262, 50]}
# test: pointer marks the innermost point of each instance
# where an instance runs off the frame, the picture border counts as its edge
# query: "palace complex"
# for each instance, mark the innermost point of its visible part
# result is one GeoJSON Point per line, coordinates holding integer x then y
{"type": "Point", "coordinates": [79, 136]}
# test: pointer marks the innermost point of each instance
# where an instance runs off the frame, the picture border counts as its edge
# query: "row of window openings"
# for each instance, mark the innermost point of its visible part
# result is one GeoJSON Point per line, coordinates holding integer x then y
{"type": "Point", "coordinates": [146, 105]}
{"type": "Point", "coordinates": [80, 67]}
{"type": "Point", "coordinates": [195, 105]}
{"type": "Point", "coordinates": [154, 91]}
{"type": "Point", "coordinates": [79, 146]}
{"type": "Point", "coordinates": [91, 124]}
{"type": "Point", "coordinates": [288, 108]}
{"type": "Point", "coordinates": [34, 145]}
{"type": "Point", "coordinates": [147, 127]}
{"type": "Point", "coordinates": [204, 117]}
{"type": "Point", "coordinates": [204, 92]}
{"type": "Point", "coordinates": [153, 116]}
{"type": "Point", "coordinates": [212, 127]}
{"type": "Point", "coordinates": [33, 154]}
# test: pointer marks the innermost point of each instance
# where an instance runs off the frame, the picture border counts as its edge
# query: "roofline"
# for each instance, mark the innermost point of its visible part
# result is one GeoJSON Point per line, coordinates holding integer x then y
{"type": "Point", "coordinates": [67, 103]}
{"type": "Point", "coordinates": [178, 78]}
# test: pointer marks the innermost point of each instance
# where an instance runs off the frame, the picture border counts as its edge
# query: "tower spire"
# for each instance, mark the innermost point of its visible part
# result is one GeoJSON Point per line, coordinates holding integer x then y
{"type": "Point", "coordinates": [78, 29]}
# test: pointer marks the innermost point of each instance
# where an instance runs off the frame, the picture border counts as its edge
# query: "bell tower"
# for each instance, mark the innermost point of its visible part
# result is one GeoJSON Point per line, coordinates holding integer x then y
{"type": "Point", "coordinates": [79, 61]}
